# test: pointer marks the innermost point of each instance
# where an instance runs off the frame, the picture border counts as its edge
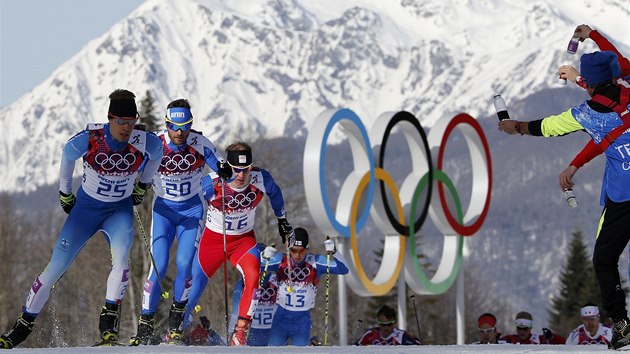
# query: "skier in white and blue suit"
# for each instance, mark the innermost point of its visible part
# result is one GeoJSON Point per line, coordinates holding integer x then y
{"type": "Point", "coordinates": [113, 154]}
{"type": "Point", "coordinates": [178, 211]}
{"type": "Point", "coordinates": [296, 284]}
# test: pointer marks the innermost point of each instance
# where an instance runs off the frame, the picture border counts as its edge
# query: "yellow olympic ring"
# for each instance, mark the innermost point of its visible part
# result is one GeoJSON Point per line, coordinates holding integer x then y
{"type": "Point", "coordinates": [388, 271]}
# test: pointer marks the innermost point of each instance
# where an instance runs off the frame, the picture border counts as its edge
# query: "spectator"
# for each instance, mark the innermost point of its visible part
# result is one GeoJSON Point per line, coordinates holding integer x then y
{"type": "Point", "coordinates": [386, 333]}
{"type": "Point", "coordinates": [590, 331]}
{"type": "Point", "coordinates": [608, 132]}
{"type": "Point", "coordinates": [524, 335]}
{"type": "Point", "coordinates": [487, 328]}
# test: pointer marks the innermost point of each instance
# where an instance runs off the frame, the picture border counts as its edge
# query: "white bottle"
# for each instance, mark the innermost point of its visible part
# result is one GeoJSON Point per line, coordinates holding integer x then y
{"type": "Point", "coordinates": [570, 197]}
{"type": "Point", "coordinates": [500, 107]}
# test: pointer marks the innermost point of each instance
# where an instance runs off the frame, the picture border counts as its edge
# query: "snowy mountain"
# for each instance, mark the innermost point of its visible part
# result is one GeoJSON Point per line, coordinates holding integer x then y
{"type": "Point", "coordinates": [268, 68]}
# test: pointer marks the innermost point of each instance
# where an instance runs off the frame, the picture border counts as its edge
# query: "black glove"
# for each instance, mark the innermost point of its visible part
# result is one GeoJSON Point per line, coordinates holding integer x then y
{"type": "Point", "coordinates": [547, 333]}
{"type": "Point", "coordinates": [224, 170]}
{"type": "Point", "coordinates": [286, 231]}
{"type": "Point", "coordinates": [67, 201]}
{"type": "Point", "coordinates": [139, 191]}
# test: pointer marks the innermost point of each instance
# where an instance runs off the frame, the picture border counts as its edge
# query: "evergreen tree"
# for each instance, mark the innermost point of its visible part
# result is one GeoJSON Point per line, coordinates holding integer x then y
{"type": "Point", "coordinates": [147, 112]}
{"type": "Point", "coordinates": [578, 285]}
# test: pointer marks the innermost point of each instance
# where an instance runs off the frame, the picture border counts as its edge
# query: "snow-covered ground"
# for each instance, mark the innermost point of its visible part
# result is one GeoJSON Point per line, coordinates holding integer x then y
{"type": "Point", "coordinates": [429, 349]}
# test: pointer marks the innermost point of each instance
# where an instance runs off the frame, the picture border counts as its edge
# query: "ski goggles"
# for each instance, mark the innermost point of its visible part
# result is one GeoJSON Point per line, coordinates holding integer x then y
{"type": "Point", "coordinates": [386, 323]}
{"type": "Point", "coordinates": [175, 127]}
{"type": "Point", "coordinates": [486, 330]}
{"type": "Point", "coordinates": [523, 323]}
{"type": "Point", "coordinates": [131, 121]}
{"type": "Point", "coordinates": [297, 251]}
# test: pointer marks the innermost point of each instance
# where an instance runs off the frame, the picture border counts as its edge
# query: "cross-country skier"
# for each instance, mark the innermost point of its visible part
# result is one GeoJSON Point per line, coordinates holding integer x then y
{"type": "Point", "coordinates": [112, 156]}
{"type": "Point", "coordinates": [243, 194]}
{"type": "Point", "coordinates": [262, 318]}
{"type": "Point", "coordinates": [178, 209]}
{"type": "Point", "coordinates": [297, 278]}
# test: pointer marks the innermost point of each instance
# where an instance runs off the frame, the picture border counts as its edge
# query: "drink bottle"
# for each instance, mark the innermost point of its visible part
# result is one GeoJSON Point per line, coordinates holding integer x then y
{"type": "Point", "coordinates": [573, 45]}
{"type": "Point", "coordinates": [571, 201]}
{"type": "Point", "coordinates": [500, 107]}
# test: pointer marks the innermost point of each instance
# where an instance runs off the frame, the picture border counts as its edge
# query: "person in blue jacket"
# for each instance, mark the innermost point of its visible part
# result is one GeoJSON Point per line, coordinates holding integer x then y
{"type": "Point", "coordinates": [119, 161]}
{"type": "Point", "coordinates": [296, 280]}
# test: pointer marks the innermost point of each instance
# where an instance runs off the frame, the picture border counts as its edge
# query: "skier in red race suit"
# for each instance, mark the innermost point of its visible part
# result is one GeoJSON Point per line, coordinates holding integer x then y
{"type": "Point", "coordinates": [524, 335]}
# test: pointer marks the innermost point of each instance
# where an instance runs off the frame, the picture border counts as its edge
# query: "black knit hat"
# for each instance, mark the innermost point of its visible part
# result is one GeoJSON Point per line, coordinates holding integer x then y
{"type": "Point", "coordinates": [301, 238]}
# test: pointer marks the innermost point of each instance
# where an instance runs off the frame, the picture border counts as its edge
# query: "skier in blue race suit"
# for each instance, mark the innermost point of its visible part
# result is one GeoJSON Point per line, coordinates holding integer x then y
{"type": "Point", "coordinates": [113, 154]}
{"type": "Point", "coordinates": [296, 279]}
{"type": "Point", "coordinates": [178, 210]}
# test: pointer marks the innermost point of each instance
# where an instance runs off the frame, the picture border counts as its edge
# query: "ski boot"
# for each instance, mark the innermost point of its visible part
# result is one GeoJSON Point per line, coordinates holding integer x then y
{"type": "Point", "coordinates": [145, 330]}
{"type": "Point", "coordinates": [621, 334]}
{"type": "Point", "coordinates": [175, 324]}
{"type": "Point", "coordinates": [108, 325]}
{"type": "Point", "coordinates": [21, 329]}
{"type": "Point", "coordinates": [239, 336]}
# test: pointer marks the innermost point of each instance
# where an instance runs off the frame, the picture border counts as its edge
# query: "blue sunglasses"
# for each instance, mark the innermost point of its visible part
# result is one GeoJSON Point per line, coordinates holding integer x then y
{"type": "Point", "coordinates": [176, 127]}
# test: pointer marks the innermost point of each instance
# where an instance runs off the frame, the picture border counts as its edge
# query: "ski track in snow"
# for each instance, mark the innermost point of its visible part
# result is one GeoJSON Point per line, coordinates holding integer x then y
{"type": "Point", "coordinates": [428, 349]}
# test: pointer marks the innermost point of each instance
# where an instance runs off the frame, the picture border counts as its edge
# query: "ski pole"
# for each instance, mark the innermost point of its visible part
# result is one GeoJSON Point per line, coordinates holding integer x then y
{"type": "Point", "coordinates": [290, 275]}
{"type": "Point", "coordinates": [327, 296]}
{"type": "Point", "coordinates": [356, 330]}
{"type": "Point", "coordinates": [225, 272]}
{"type": "Point", "coordinates": [146, 244]}
{"type": "Point", "coordinates": [415, 311]}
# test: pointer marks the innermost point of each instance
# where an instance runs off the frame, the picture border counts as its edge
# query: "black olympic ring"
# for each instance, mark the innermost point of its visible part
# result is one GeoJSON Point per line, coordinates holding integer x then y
{"type": "Point", "coordinates": [109, 162]}
{"type": "Point", "coordinates": [404, 116]}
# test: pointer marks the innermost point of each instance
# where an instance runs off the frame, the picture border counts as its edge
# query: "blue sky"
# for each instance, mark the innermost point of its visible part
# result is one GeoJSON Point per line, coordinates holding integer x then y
{"type": "Point", "coordinates": [36, 36]}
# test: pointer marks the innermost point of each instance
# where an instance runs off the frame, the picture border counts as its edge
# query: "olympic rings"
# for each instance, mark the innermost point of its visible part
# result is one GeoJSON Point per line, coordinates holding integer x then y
{"type": "Point", "coordinates": [178, 161]}
{"type": "Point", "coordinates": [242, 200]}
{"type": "Point", "coordinates": [347, 221]}
{"type": "Point", "coordinates": [115, 160]}
{"type": "Point", "coordinates": [297, 273]}
{"type": "Point", "coordinates": [266, 294]}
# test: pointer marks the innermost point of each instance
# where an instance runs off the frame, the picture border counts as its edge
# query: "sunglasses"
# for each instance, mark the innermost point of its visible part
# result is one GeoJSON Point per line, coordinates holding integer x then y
{"type": "Point", "coordinates": [238, 170]}
{"type": "Point", "coordinates": [386, 323]}
{"type": "Point", "coordinates": [297, 251]}
{"type": "Point", "coordinates": [522, 328]}
{"type": "Point", "coordinates": [175, 127]}
{"type": "Point", "coordinates": [486, 330]}
{"type": "Point", "coordinates": [130, 121]}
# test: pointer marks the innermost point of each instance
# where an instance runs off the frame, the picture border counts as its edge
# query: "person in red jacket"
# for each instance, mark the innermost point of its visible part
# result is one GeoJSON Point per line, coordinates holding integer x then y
{"type": "Point", "coordinates": [386, 333]}
{"type": "Point", "coordinates": [524, 335]}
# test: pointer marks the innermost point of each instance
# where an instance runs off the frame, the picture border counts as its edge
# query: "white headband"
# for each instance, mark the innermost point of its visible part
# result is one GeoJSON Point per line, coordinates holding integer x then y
{"type": "Point", "coordinates": [589, 311]}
